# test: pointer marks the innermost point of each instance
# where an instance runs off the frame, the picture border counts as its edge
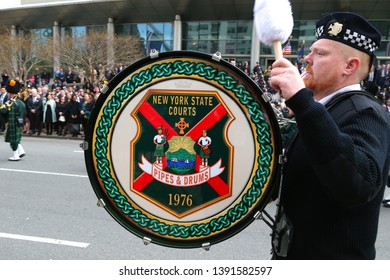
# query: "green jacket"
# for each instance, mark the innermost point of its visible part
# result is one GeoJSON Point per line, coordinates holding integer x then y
{"type": "Point", "coordinates": [11, 114]}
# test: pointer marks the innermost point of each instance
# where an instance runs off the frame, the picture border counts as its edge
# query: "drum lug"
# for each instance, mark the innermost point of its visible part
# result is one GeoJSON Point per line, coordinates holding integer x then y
{"type": "Point", "coordinates": [153, 54]}
{"type": "Point", "coordinates": [146, 240]}
{"type": "Point", "coordinates": [101, 203]}
{"type": "Point", "coordinates": [217, 56]}
{"type": "Point", "coordinates": [258, 215]}
{"type": "Point", "coordinates": [266, 97]}
{"type": "Point", "coordinates": [206, 246]}
{"type": "Point", "coordinates": [103, 88]}
{"type": "Point", "coordinates": [84, 145]}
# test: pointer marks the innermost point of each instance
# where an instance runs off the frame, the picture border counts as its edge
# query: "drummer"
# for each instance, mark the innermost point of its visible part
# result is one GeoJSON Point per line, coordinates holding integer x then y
{"type": "Point", "coordinates": [337, 165]}
{"type": "Point", "coordinates": [204, 142]}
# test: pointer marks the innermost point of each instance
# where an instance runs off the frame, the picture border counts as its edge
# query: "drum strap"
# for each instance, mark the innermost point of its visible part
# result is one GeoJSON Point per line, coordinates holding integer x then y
{"type": "Point", "coordinates": [282, 230]}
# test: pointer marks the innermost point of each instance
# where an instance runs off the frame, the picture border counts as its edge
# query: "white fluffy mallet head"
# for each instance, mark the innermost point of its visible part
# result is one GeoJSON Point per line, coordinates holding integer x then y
{"type": "Point", "coordinates": [274, 23]}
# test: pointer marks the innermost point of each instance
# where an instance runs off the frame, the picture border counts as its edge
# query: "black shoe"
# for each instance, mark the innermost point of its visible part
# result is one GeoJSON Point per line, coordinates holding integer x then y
{"type": "Point", "coordinates": [386, 200]}
{"type": "Point", "coordinates": [387, 205]}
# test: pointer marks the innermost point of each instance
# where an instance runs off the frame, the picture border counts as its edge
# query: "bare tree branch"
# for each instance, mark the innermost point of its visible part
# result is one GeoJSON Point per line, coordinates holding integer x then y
{"type": "Point", "coordinates": [21, 54]}
{"type": "Point", "coordinates": [92, 54]}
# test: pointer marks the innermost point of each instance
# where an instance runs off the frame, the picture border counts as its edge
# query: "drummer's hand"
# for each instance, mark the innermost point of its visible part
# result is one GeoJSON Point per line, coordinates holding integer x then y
{"type": "Point", "coordinates": [286, 78]}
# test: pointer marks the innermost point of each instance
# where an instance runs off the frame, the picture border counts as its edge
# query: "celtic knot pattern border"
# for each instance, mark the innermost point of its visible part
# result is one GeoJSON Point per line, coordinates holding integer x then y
{"type": "Point", "coordinates": [185, 68]}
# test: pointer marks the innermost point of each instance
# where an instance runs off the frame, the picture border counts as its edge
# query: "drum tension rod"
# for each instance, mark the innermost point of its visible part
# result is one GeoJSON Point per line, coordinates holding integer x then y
{"type": "Point", "coordinates": [270, 222]}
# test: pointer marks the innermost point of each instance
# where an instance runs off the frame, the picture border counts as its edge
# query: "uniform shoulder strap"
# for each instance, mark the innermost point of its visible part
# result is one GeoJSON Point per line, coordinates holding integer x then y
{"type": "Point", "coordinates": [337, 99]}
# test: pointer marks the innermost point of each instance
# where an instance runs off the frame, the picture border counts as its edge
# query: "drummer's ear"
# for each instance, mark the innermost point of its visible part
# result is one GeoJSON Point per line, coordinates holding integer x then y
{"type": "Point", "coordinates": [352, 65]}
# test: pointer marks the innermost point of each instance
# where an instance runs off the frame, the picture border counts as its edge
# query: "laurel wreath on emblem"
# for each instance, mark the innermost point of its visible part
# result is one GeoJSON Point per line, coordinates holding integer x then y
{"type": "Point", "coordinates": [186, 68]}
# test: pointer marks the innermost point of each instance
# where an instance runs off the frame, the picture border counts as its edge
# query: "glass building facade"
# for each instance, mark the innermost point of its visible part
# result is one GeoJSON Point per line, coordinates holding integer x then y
{"type": "Point", "coordinates": [232, 38]}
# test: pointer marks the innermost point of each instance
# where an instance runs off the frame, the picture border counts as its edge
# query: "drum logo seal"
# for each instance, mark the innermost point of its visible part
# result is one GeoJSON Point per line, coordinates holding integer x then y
{"type": "Point", "coordinates": [183, 155]}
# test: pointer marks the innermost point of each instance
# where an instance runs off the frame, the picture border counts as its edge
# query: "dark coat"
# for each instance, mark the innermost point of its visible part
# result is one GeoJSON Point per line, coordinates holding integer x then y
{"type": "Point", "coordinates": [63, 108]}
{"type": "Point", "coordinates": [335, 177]}
{"type": "Point", "coordinates": [37, 105]}
{"type": "Point", "coordinates": [74, 111]}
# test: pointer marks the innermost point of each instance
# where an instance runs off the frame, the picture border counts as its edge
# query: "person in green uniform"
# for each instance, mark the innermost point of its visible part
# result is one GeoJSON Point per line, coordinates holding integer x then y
{"type": "Point", "coordinates": [204, 142]}
{"type": "Point", "coordinates": [14, 111]}
{"type": "Point", "coordinates": [159, 140]}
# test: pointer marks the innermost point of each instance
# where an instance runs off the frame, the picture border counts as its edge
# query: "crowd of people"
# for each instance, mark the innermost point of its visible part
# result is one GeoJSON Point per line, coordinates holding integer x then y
{"type": "Point", "coordinates": [377, 83]}
{"type": "Point", "coordinates": [57, 102]}
{"type": "Point", "coordinates": [62, 103]}
{"type": "Point", "coordinates": [54, 108]}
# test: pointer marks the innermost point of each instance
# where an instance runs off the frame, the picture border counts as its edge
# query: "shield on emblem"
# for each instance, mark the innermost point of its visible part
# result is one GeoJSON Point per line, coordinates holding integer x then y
{"type": "Point", "coordinates": [182, 178]}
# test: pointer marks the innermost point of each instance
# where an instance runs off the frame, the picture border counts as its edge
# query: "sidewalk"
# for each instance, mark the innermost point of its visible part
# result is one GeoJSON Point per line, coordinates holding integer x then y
{"type": "Point", "coordinates": [68, 136]}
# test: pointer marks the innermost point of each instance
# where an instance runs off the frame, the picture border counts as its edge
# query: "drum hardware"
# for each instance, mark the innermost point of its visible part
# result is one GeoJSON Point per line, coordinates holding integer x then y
{"type": "Point", "coordinates": [84, 145]}
{"type": "Point", "coordinates": [217, 56]}
{"type": "Point", "coordinates": [104, 89]}
{"type": "Point", "coordinates": [101, 203]}
{"type": "Point", "coordinates": [270, 222]}
{"type": "Point", "coordinates": [266, 97]}
{"type": "Point", "coordinates": [206, 246]}
{"type": "Point", "coordinates": [146, 240]}
{"type": "Point", "coordinates": [153, 54]}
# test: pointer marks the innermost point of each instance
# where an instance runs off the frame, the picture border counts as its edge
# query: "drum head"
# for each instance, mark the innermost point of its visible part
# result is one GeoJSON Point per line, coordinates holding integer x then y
{"type": "Point", "coordinates": [182, 149]}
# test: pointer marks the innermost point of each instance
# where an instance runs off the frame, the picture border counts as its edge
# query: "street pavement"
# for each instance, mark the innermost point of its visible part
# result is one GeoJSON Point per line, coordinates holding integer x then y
{"type": "Point", "coordinates": [48, 211]}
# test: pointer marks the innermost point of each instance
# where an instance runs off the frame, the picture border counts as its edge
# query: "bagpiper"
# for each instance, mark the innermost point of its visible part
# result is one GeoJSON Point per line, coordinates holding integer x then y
{"type": "Point", "coordinates": [15, 115]}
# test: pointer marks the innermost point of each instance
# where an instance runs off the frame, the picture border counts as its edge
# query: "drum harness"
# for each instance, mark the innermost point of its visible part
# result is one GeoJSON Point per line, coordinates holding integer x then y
{"type": "Point", "coordinates": [282, 228]}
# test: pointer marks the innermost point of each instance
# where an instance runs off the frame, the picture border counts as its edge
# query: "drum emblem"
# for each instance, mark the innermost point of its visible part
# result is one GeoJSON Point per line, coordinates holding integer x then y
{"type": "Point", "coordinates": [182, 149]}
{"type": "Point", "coordinates": [184, 156]}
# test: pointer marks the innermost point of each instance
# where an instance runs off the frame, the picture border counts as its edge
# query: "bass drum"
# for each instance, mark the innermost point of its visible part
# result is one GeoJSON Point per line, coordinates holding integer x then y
{"type": "Point", "coordinates": [182, 149]}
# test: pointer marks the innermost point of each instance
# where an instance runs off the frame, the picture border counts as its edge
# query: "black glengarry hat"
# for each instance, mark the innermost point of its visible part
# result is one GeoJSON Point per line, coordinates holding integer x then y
{"type": "Point", "coordinates": [13, 86]}
{"type": "Point", "coordinates": [350, 29]}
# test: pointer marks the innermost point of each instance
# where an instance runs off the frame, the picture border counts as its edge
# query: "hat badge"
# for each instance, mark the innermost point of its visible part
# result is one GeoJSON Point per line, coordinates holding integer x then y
{"type": "Point", "coordinates": [335, 28]}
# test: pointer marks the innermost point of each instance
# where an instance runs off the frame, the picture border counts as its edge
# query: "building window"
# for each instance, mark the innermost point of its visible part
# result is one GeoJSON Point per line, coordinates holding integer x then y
{"type": "Point", "coordinates": [228, 37]}
{"type": "Point", "coordinates": [158, 36]}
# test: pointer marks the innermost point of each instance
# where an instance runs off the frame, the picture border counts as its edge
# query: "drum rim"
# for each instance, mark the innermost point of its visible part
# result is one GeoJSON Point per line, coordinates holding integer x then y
{"type": "Point", "coordinates": [114, 211]}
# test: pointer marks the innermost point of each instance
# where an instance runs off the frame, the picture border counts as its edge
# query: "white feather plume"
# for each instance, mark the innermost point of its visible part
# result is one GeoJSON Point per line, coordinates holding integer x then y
{"type": "Point", "coordinates": [273, 20]}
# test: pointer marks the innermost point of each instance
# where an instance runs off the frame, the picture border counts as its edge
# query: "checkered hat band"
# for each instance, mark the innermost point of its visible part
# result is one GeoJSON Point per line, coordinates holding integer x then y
{"type": "Point", "coordinates": [360, 40]}
{"type": "Point", "coordinates": [354, 38]}
{"type": "Point", "coordinates": [319, 31]}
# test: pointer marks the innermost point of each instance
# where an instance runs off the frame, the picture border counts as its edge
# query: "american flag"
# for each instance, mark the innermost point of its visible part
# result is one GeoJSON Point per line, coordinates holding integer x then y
{"type": "Point", "coordinates": [287, 47]}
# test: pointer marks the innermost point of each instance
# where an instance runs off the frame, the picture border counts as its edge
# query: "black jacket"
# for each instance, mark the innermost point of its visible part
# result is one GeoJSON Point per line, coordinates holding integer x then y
{"type": "Point", "coordinates": [335, 176]}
